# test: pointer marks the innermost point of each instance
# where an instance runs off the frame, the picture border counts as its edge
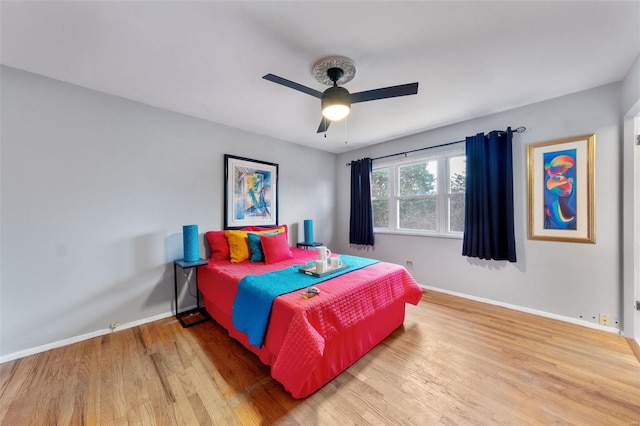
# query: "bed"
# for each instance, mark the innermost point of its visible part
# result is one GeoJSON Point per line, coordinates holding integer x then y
{"type": "Point", "coordinates": [309, 341]}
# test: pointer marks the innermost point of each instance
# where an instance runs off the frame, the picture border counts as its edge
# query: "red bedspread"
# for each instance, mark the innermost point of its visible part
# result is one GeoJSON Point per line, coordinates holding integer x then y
{"type": "Point", "coordinates": [310, 341]}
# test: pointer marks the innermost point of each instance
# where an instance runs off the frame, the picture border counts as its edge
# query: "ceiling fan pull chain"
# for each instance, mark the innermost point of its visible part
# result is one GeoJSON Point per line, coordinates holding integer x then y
{"type": "Point", "coordinates": [345, 130]}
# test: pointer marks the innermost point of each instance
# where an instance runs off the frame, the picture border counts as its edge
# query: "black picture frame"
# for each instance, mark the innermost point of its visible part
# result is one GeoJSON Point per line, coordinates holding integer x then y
{"type": "Point", "coordinates": [250, 192]}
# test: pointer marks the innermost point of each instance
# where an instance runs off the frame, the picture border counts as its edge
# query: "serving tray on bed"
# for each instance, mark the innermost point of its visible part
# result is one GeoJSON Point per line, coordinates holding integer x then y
{"type": "Point", "coordinates": [311, 270]}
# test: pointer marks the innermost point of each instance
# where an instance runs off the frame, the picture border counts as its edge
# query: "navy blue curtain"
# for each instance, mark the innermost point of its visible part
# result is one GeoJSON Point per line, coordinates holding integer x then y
{"type": "Point", "coordinates": [488, 225]}
{"type": "Point", "coordinates": [361, 222]}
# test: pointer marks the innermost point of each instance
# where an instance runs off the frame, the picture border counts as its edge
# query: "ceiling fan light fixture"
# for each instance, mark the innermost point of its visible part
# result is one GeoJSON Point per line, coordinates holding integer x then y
{"type": "Point", "coordinates": [335, 112]}
{"type": "Point", "coordinates": [336, 103]}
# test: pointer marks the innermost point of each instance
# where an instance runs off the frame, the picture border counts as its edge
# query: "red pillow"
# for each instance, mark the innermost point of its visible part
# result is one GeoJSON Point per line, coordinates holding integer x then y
{"type": "Point", "coordinates": [275, 247]}
{"type": "Point", "coordinates": [218, 244]}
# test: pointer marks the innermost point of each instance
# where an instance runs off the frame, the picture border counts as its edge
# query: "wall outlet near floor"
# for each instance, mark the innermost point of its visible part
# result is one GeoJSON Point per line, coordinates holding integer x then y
{"type": "Point", "coordinates": [605, 319]}
{"type": "Point", "coordinates": [409, 265]}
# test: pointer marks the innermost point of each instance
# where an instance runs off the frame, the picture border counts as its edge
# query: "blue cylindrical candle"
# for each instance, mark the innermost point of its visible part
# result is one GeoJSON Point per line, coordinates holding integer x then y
{"type": "Point", "coordinates": [308, 231]}
{"type": "Point", "coordinates": [190, 243]}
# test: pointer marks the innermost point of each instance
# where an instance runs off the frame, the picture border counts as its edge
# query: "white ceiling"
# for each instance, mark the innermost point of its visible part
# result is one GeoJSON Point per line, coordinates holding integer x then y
{"type": "Point", "coordinates": [206, 59]}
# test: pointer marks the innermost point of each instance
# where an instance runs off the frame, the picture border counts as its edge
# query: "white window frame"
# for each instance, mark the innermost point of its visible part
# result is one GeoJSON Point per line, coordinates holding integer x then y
{"type": "Point", "coordinates": [442, 195]}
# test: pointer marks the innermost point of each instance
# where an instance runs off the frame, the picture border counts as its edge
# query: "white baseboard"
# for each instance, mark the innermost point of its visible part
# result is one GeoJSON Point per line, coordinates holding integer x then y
{"type": "Point", "coordinates": [75, 339]}
{"type": "Point", "coordinates": [527, 310]}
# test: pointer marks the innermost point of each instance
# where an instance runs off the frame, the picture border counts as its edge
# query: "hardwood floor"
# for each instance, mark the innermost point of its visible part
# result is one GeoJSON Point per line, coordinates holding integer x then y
{"type": "Point", "coordinates": [454, 362]}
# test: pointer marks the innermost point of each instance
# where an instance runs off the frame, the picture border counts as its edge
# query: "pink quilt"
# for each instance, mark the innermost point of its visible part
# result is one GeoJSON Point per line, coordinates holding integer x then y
{"type": "Point", "coordinates": [310, 341]}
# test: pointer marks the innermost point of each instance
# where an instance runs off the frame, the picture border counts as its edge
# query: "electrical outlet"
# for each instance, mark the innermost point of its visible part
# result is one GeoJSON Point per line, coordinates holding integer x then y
{"type": "Point", "coordinates": [114, 325]}
{"type": "Point", "coordinates": [409, 265]}
{"type": "Point", "coordinates": [605, 319]}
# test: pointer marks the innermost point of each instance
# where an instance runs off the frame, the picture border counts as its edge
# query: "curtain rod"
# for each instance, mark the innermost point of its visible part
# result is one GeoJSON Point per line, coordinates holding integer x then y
{"type": "Point", "coordinates": [520, 129]}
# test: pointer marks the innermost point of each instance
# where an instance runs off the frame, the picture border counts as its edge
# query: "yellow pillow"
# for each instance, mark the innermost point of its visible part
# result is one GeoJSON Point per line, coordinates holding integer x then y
{"type": "Point", "coordinates": [239, 243]}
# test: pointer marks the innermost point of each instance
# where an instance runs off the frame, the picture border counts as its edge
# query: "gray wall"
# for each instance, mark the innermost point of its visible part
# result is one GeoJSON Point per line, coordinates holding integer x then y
{"type": "Point", "coordinates": [572, 280]}
{"type": "Point", "coordinates": [95, 190]}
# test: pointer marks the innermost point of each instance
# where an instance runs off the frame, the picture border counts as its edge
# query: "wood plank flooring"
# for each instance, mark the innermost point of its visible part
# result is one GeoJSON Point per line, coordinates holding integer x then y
{"type": "Point", "coordinates": [454, 362]}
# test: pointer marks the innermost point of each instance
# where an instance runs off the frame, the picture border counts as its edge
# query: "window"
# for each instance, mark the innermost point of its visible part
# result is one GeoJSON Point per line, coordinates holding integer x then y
{"type": "Point", "coordinates": [421, 195]}
{"type": "Point", "coordinates": [380, 197]}
{"type": "Point", "coordinates": [456, 172]}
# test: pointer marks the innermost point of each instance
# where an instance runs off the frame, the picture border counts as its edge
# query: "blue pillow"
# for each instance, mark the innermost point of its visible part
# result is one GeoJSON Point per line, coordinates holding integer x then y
{"type": "Point", "coordinates": [255, 246]}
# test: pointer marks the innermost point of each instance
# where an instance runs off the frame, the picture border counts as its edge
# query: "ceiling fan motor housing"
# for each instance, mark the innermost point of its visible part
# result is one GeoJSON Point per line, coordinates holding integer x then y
{"type": "Point", "coordinates": [336, 95]}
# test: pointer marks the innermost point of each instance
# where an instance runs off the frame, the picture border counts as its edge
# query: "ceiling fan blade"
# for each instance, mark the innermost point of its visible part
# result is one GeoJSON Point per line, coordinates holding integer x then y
{"type": "Point", "coordinates": [385, 92]}
{"type": "Point", "coordinates": [293, 85]}
{"type": "Point", "coordinates": [324, 125]}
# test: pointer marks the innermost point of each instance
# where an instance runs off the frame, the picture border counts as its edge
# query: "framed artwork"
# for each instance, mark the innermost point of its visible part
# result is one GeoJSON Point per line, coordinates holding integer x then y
{"type": "Point", "coordinates": [250, 193]}
{"type": "Point", "coordinates": [560, 184]}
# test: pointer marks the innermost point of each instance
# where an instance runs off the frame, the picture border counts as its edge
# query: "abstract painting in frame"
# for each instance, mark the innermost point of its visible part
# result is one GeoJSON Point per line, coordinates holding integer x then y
{"type": "Point", "coordinates": [251, 192]}
{"type": "Point", "coordinates": [561, 189]}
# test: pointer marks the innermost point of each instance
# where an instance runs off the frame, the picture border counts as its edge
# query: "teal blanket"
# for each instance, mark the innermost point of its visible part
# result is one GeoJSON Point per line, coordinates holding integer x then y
{"type": "Point", "coordinates": [252, 306]}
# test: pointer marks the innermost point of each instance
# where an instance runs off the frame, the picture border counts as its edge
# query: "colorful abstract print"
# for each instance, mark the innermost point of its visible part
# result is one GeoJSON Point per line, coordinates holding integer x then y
{"type": "Point", "coordinates": [252, 194]}
{"type": "Point", "coordinates": [560, 190]}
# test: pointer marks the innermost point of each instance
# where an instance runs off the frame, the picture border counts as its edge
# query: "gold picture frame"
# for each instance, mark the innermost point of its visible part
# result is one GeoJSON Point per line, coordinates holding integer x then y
{"type": "Point", "coordinates": [560, 187]}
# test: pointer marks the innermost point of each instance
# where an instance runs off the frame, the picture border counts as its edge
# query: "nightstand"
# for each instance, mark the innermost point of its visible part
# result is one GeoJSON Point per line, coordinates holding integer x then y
{"type": "Point", "coordinates": [198, 314]}
{"type": "Point", "coordinates": [307, 245]}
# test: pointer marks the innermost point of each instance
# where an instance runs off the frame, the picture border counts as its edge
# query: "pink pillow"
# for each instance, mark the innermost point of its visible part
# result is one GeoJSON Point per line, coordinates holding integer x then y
{"type": "Point", "coordinates": [275, 247]}
{"type": "Point", "coordinates": [218, 244]}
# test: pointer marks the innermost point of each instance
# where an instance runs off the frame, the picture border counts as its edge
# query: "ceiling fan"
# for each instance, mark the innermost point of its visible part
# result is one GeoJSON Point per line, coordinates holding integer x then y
{"type": "Point", "coordinates": [336, 101]}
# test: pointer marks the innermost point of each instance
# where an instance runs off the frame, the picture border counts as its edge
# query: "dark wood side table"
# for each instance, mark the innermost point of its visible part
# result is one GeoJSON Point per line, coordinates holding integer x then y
{"type": "Point", "coordinates": [198, 314]}
{"type": "Point", "coordinates": [307, 245]}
